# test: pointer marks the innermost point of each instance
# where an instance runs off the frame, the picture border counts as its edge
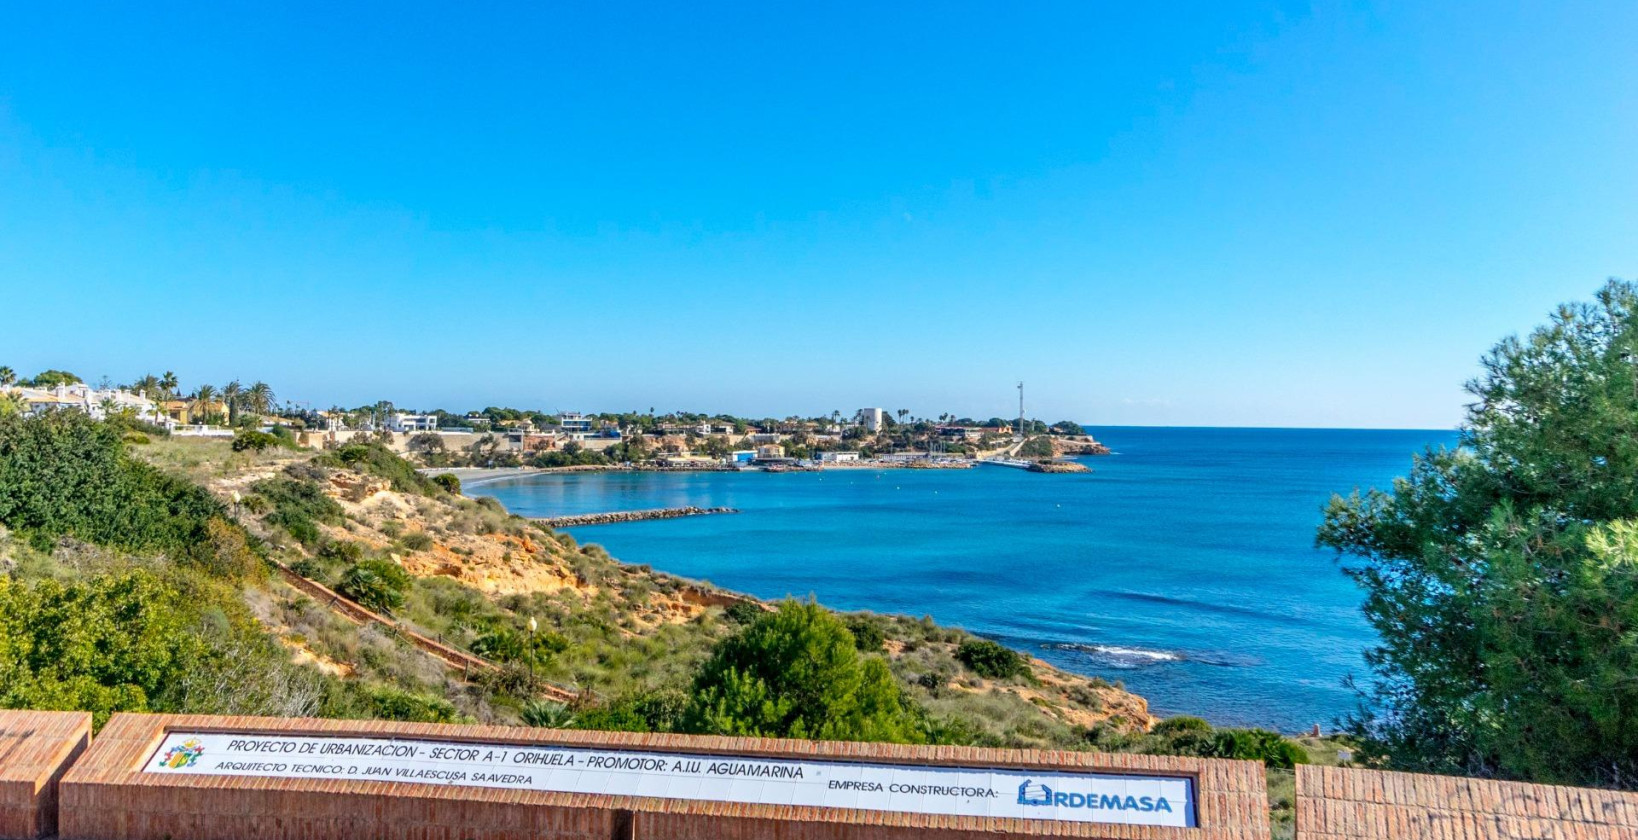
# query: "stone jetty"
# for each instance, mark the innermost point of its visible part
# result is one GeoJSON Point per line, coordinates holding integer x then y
{"type": "Point", "coordinates": [629, 516]}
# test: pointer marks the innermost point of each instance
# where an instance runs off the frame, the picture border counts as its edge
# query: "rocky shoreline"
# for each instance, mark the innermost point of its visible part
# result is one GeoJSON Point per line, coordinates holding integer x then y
{"type": "Point", "coordinates": [1084, 445]}
{"type": "Point", "coordinates": [1059, 467]}
{"type": "Point", "coordinates": [629, 516]}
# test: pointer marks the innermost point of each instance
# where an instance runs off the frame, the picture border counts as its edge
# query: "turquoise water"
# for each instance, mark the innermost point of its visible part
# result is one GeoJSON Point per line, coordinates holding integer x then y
{"type": "Point", "coordinates": [1183, 565]}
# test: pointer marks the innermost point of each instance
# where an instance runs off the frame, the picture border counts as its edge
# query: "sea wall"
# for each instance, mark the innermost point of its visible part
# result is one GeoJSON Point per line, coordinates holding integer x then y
{"type": "Point", "coordinates": [629, 516]}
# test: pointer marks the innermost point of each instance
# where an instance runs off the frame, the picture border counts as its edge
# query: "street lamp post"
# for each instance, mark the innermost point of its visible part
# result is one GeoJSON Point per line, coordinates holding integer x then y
{"type": "Point", "coordinates": [533, 625]}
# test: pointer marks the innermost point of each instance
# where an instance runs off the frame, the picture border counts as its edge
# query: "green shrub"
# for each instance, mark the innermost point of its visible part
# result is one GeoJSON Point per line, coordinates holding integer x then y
{"type": "Point", "coordinates": [377, 584]}
{"type": "Point", "coordinates": [142, 641]}
{"type": "Point", "coordinates": [1271, 748]}
{"type": "Point", "coordinates": [226, 552]}
{"type": "Point", "coordinates": [341, 551]}
{"type": "Point", "coordinates": [545, 713]}
{"type": "Point", "coordinates": [648, 711]}
{"type": "Point", "coordinates": [250, 440]}
{"type": "Point", "coordinates": [991, 660]}
{"type": "Point", "coordinates": [795, 673]}
{"type": "Point", "coordinates": [1036, 447]}
{"type": "Point", "coordinates": [867, 632]}
{"type": "Point", "coordinates": [743, 612]}
{"type": "Point", "coordinates": [63, 473]}
{"type": "Point", "coordinates": [377, 460]}
{"type": "Point", "coordinates": [299, 506]}
{"type": "Point", "coordinates": [450, 482]}
{"type": "Point", "coordinates": [1179, 725]}
{"type": "Point", "coordinates": [508, 645]}
{"type": "Point", "coordinates": [393, 704]}
{"type": "Point", "coordinates": [416, 541]}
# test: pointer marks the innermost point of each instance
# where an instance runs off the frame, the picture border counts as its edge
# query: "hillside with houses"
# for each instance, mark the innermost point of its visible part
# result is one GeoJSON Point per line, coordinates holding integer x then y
{"type": "Point", "coordinates": [507, 437]}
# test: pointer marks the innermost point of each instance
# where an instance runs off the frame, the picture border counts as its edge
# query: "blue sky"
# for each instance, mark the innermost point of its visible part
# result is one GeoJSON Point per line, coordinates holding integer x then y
{"type": "Point", "coordinates": [1213, 213]}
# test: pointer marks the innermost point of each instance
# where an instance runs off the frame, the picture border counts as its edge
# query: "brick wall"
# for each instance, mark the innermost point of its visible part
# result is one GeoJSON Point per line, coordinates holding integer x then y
{"type": "Point", "coordinates": [1346, 804]}
{"type": "Point", "coordinates": [36, 748]}
{"type": "Point", "coordinates": [106, 796]}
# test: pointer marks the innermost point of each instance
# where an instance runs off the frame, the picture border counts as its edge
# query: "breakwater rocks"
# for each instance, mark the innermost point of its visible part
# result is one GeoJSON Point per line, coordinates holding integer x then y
{"type": "Point", "coordinates": [1058, 467]}
{"type": "Point", "coordinates": [629, 516]}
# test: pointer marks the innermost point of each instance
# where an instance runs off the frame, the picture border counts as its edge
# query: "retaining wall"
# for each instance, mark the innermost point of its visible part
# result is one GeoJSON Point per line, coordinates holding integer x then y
{"type": "Point", "coordinates": [123, 789]}
{"type": "Point", "coordinates": [36, 749]}
{"type": "Point", "coordinates": [1335, 803]}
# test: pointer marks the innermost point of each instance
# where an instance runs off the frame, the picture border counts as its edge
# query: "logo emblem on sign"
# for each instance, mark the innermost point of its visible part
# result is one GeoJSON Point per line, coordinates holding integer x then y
{"type": "Point", "coordinates": [1030, 794]}
{"type": "Point", "coordinates": [183, 754]}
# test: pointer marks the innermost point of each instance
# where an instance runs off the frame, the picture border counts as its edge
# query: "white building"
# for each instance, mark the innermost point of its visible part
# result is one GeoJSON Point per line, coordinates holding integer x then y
{"type": "Point", "coordinates": [871, 419]}
{"type": "Point", "coordinates": [402, 422]}
{"type": "Point", "coordinates": [838, 457]}
{"type": "Point", "coordinates": [573, 422]}
{"type": "Point", "coordinates": [97, 402]}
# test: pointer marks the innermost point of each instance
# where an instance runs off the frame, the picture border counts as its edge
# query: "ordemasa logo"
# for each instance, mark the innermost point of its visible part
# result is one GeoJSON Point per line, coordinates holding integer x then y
{"type": "Point", "coordinates": [1031, 794]}
{"type": "Point", "coordinates": [1034, 794]}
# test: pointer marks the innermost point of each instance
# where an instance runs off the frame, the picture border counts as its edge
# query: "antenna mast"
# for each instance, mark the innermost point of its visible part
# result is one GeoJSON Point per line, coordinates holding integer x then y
{"type": "Point", "coordinates": [1020, 410]}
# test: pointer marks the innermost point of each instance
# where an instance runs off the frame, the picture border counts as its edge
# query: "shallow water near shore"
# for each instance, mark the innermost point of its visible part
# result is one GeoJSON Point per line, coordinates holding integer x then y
{"type": "Point", "coordinates": [1184, 564]}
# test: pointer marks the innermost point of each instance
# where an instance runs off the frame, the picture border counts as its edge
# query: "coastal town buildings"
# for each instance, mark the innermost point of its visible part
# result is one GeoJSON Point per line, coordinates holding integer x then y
{"type": "Point", "coordinates": [97, 402]}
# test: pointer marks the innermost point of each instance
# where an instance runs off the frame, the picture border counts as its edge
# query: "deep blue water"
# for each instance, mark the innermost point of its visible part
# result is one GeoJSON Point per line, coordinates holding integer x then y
{"type": "Point", "coordinates": [1183, 565]}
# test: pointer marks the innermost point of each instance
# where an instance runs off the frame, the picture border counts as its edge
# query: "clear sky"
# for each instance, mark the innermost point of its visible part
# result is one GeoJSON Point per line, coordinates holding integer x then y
{"type": "Point", "coordinates": [1214, 213]}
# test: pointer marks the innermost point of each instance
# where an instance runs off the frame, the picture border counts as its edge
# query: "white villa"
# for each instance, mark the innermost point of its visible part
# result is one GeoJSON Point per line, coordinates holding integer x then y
{"type": "Point", "coordinates": [402, 422]}
{"type": "Point", "coordinates": [97, 402]}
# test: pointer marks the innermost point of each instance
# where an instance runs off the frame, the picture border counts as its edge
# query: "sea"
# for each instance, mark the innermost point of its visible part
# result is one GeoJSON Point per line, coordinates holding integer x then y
{"type": "Point", "coordinates": [1183, 565]}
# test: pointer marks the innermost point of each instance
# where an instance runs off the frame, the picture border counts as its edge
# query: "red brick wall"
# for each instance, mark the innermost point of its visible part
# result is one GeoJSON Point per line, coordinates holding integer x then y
{"type": "Point", "coordinates": [106, 797]}
{"type": "Point", "coordinates": [36, 749]}
{"type": "Point", "coordinates": [1335, 803]}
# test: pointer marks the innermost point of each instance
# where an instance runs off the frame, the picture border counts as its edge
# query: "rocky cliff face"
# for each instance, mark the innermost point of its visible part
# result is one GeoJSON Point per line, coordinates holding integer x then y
{"type": "Point", "coordinates": [1081, 445]}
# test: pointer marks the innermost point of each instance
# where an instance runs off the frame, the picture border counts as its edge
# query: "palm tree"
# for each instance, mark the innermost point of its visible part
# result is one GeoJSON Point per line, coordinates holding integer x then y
{"type": "Point", "coordinates": [202, 400]}
{"type": "Point", "coordinates": [234, 395]}
{"type": "Point", "coordinates": [259, 398]}
{"type": "Point", "coordinates": [8, 377]}
{"type": "Point", "coordinates": [168, 383]}
{"type": "Point", "coordinates": [545, 713]}
{"type": "Point", "coordinates": [12, 402]}
{"type": "Point", "coordinates": [147, 386]}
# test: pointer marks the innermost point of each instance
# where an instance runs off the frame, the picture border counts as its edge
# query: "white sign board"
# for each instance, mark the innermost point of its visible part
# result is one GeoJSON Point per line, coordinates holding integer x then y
{"type": "Point", "coordinates": [914, 789]}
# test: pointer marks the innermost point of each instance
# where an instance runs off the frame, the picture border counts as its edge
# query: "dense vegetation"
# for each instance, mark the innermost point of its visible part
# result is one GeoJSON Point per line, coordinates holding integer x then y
{"type": "Point", "coordinates": [125, 591]}
{"type": "Point", "coordinates": [797, 673]}
{"type": "Point", "coordinates": [64, 474]}
{"type": "Point", "coordinates": [134, 639]}
{"type": "Point", "coordinates": [992, 660]}
{"type": "Point", "coordinates": [1503, 575]}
